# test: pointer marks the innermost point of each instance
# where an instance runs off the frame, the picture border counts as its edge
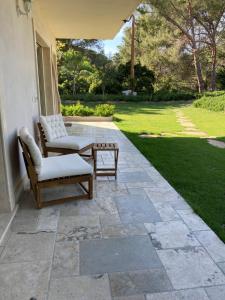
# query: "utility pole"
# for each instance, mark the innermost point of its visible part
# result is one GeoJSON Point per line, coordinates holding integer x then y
{"type": "Point", "coordinates": [132, 51]}
{"type": "Point", "coordinates": [132, 75]}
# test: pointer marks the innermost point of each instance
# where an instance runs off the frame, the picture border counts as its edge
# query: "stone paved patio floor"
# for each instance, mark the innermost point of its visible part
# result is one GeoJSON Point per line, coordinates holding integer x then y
{"type": "Point", "coordinates": [137, 239]}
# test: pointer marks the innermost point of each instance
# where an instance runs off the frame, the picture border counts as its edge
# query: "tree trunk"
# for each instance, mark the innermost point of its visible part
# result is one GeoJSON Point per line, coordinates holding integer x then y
{"type": "Point", "coordinates": [198, 70]}
{"type": "Point", "coordinates": [213, 70]}
{"type": "Point", "coordinates": [197, 64]}
{"type": "Point", "coordinates": [74, 86]}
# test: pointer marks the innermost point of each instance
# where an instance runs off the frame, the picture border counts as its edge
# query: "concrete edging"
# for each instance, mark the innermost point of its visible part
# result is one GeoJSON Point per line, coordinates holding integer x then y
{"type": "Point", "coordinates": [87, 119]}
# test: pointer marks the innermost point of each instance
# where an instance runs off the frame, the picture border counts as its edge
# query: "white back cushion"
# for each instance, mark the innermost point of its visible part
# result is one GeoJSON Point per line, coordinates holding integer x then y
{"type": "Point", "coordinates": [53, 126]}
{"type": "Point", "coordinates": [33, 148]}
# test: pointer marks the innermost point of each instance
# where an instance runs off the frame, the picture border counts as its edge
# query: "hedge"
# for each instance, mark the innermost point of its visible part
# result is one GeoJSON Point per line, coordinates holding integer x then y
{"type": "Point", "coordinates": [214, 101]}
{"type": "Point", "coordinates": [161, 95]}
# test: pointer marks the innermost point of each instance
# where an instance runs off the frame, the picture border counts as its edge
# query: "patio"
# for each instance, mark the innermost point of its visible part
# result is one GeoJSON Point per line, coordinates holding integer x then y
{"type": "Point", "coordinates": [137, 239]}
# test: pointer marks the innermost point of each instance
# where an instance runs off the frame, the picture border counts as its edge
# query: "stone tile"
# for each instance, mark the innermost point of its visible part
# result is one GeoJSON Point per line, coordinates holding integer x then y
{"type": "Point", "coordinates": [134, 177]}
{"type": "Point", "coordinates": [4, 221]}
{"type": "Point", "coordinates": [194, 294]}
{"type": "Point", "coordinates": [110, 188]}
{"type": "Point", "coordinates": [216, 292]}
{"type": "Point", "coordinates": [136, 209]}
{"type": "Point", "coordinates": [24, 224]}
{"type": "Point", "coordinates": [169, 196]}
{"type": "Point", "coordinates": [65, 260]}
{"type": "Point", "coordinates": [107, 220]}
{"type": "Point", "coordinates": [117, 255]}
{"type": "Point", "coordinates": [140, 184]}
{"type": "Point", "coordinates": [48, 219]}
{"type": "Point", "coordinates": [24, 280]}
{"type": "Point", "coordinates": [136, 191]}
{"type": "Point", "coordinates": [136, 297]}
{"type": "Point", "coordinates": [139, 282]}
{"type": "Point", "coordinates": [193, 221]}
{"type": "Point", "coordinates": [212, 244]}
{"type": "Point", "coordinates": [28, 247]}
{"type": "Point", "coordinates": [222, 266]}
{"type": "Point", "coordinates": [166, 212]}
{"type": "Point", "coordinates": [191, 267]}
{"type": "Point", "coordinates": [80, 288]}
{"type": "Point", "coordinates": [1, 250]}
{"type": "Point", "coordinates": [78, 228]}
{"type": "Point", "coordinates": [120, 230]}
{"type": "Point", "coordinates": [97, 206]}
{"type": "Point", "coordinates": [173, 234]}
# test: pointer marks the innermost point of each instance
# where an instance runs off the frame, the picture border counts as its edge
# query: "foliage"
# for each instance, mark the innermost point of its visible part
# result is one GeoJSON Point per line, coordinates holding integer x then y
{"type": "Point", "coordinates": [78, 109]}
{"type": "Point", "coordinates": [173, 95]}
{"type": "Point", "coordinates": [180, 41]}
{"type": "Point", "coordinates": [161, 95]}
{"type": "Point", "coordinates": [214, 101]}
{"type": "Point", "coordinates": [221, 78]}
{"type": "Point", "coordinates": [192, 166]}
{"type": "Point", "coordinates": [144, 78]}
{"type": "Point", "coordinates": [104, 110]}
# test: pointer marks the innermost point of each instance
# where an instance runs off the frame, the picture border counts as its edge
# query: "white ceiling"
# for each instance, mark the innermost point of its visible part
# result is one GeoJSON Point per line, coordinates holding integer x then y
{"type": "Point", "coordinates": [89, 19]}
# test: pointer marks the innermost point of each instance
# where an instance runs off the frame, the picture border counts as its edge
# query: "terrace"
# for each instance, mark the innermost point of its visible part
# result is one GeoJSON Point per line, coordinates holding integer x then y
{"type": "Point", "coordinates": [136, 239]}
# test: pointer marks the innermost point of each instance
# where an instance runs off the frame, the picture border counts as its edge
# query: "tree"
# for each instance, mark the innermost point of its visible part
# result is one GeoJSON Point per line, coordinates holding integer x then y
{"type": "Point", "coordinates": [210, 16]}
{"type": "Point", "coordinates": [161, 49]}
{"type": "Point", "coordinates": [201, 22]}
{"type": "Point", "coordinates": [144, 78]}
{"type": "Point", "coordinates": [180, 14]}
{"type": "Point", "coordinates": [77, 66]}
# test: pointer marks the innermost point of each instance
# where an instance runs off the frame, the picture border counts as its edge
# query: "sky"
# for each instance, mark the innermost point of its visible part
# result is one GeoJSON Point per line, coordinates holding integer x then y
{"type": "Point", "coordinates": [110, 46]}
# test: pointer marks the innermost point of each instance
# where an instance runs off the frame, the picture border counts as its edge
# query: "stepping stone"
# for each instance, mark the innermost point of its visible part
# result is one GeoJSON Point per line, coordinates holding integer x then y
{"type": "Point", "coordinates": [216, 143]}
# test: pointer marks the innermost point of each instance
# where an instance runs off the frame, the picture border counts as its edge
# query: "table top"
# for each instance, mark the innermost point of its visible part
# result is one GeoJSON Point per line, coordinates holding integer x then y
{"type": "Point", "coordinates": [105, 146]}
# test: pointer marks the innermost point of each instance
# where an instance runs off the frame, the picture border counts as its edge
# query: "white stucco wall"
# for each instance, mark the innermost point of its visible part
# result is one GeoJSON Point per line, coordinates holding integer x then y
{"type": "Point", "coordinates": [19, 94]}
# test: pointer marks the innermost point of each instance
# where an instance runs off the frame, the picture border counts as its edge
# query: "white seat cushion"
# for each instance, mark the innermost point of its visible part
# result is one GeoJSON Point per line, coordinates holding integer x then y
{"type": "Point", "coordinates": [70, 142]}
{"type": "Point", "coordinates": [35, 152]}
{"type": "Point", "coordinates": [53, 127]}
{"type": "Point", "coordinates": [62, 166]}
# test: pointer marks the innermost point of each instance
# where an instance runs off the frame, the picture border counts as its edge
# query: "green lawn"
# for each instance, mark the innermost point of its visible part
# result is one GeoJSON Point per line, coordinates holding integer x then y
{"type": "Point", "coordinates": [192, 166]}
{"type": "Point", "coordinates": [210, 122]}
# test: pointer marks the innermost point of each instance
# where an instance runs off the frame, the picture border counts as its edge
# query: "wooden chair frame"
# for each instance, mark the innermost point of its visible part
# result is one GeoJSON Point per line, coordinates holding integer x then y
{"type": "Point", "coordinates": [37, 185]}
{"type": "Point", "coordinates": [47, 149]}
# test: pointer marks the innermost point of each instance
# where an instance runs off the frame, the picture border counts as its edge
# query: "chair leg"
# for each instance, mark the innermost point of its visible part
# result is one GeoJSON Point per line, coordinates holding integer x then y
{"type": "Point", "coordinates": [45, 153]}
{"type": "Point", "coordinates": [90, 188]}
{"type": "Point", "coordinates": [38, 197]}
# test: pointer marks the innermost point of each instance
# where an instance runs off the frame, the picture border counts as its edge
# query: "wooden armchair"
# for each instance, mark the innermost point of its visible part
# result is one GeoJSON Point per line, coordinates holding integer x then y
{"type": "Point", "coordinates": [54, 138]}
{"type": "Point", "coordinates": [54, 171]}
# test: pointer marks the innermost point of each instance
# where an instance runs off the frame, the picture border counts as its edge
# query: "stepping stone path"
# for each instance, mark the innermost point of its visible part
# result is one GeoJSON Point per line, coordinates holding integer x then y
{"type": "Point", "coordinates": [189, 127]}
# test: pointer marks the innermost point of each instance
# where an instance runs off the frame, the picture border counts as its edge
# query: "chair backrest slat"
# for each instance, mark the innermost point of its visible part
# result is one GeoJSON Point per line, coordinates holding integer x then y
{"type": "Point", "coordinates": [29, 164]}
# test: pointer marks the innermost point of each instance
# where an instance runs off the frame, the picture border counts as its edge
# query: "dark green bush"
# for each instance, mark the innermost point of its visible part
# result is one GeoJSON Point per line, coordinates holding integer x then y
{"type": "Point", "coordinates": [214, 101]}
{"type": "Point", "coordinates": [174, 95]}
{"type": "Point", "coordinates": [162, 95]}
{"type": "Point", "coordinates": [103, 110]}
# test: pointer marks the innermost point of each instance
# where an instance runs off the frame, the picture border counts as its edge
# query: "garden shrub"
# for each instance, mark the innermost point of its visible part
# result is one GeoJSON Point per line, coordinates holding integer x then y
{"type": "Point", "coordinates": [78, 109]}
{"type": "Point", "coordinates": [161, 95]}
{"type": "Point", "coordinates": [172, 95]}
{"type": "Point", "coordinates": [214, 101]}
{"type": "Point", "coordinates": [104, 110]}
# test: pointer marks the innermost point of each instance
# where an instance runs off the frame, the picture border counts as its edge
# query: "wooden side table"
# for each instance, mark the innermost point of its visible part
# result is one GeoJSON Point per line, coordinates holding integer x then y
{"type": "Point", "coordinates": [106, 147]}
